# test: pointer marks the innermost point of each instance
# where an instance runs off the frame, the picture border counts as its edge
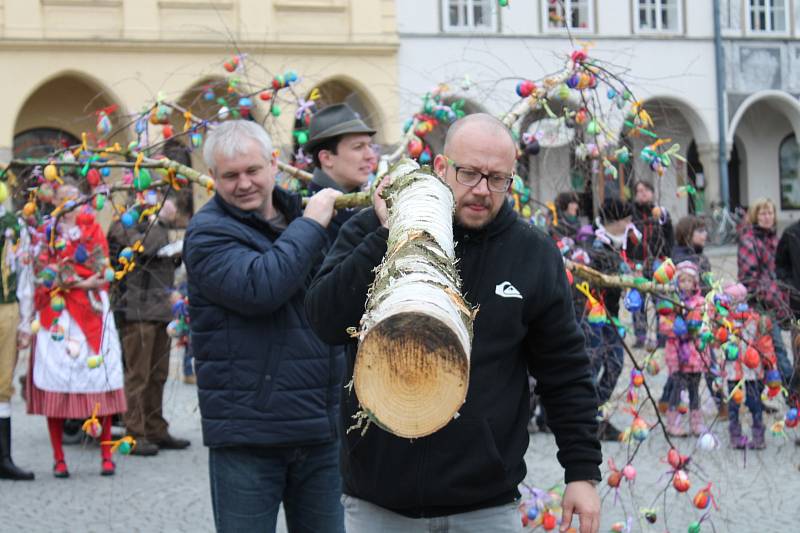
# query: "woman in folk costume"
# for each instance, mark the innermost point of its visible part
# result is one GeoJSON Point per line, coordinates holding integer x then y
{"type": "Point", "coordinates": [76, 359]}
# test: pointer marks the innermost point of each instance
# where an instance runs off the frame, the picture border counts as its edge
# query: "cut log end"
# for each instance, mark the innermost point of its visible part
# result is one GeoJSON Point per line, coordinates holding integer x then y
{"type": "Point", "coordinates": [411, 374]}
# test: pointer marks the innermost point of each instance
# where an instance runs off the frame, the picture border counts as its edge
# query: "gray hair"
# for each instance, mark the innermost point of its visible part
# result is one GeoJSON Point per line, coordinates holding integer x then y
{"type": "Point", "coordinates": [226, 139]}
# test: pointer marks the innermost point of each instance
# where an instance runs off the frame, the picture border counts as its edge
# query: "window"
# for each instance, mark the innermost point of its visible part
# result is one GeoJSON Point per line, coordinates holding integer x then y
{"type": "Point", "coordinates": [662, 16]}
{"type": "Point", "coordinates": [767, 16]}
{"type": "Point", "coordinates": [468, 15]}
{"type": "Point", "coordinates": [731, 15]}
{"type": "Point", "coordinates": [575, 15]}
{"type": "Point", "coordinates": [789, 165]}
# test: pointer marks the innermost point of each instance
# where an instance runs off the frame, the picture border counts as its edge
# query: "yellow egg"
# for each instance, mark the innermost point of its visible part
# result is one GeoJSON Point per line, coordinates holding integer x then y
{"type": "Point", "coordinates": [3, 191]}
{"type": "Point", "coordinates": [50, 173]}
{"type": "Point", "coordinates": [35, 325]}
{"type": "Point", "coordinates": [29, 209]}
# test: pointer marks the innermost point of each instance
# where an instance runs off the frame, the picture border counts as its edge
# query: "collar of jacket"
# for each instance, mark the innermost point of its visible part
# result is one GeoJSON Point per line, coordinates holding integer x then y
{"type": "Point", "coordinates": [505, 217]}
{"type": "Point", "coordinates": [763, 233]}
{"type": "Point", "coordinates": [287, 203]}
{"type": "Point", "coordinates": [322, 180]}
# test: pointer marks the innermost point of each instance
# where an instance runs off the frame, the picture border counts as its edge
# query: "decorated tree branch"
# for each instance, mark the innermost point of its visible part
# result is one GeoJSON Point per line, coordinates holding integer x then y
{"type": "Point", "coordinates": [145, 163]}
{"type": "Point", "coordinates": [412, 368]}
{"type": "Point", "coordinates": [597, 278]}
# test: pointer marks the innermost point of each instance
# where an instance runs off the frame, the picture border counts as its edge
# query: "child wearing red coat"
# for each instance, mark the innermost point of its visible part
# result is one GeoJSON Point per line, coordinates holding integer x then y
{"type": "Point", "coordinates": [745, 375]}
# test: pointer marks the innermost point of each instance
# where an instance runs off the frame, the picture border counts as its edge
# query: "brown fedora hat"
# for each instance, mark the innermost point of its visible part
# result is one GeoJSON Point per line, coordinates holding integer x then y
{"type": "Point", "coordinates": [333, 121]}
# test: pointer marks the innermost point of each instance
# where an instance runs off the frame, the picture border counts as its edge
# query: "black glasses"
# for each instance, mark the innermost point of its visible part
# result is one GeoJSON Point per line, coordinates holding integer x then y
{"type": "Point", "coordinates": [471, 178]}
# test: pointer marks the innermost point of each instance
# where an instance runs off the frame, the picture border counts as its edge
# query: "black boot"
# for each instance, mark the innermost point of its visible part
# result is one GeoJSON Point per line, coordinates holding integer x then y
{"type": "Point", "coordinates": [8, 470]}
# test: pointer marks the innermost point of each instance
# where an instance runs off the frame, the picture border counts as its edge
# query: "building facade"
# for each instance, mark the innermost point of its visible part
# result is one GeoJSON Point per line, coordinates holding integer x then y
{"type": "Point", "coordinates": [65, 60]}
{"type": "Point", "coordinates": [666, 51]}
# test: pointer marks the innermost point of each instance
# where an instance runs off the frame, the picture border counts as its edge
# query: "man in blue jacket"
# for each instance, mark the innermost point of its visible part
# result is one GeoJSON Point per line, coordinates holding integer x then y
{"type": "Point", "coordinates": [268, 388]}
{"type": "Point", "coordinates": [464, 477]}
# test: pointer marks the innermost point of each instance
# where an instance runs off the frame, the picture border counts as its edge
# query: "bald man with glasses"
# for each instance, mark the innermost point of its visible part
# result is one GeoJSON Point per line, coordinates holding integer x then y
{"type": "Point", "coordinates": [465, 476]}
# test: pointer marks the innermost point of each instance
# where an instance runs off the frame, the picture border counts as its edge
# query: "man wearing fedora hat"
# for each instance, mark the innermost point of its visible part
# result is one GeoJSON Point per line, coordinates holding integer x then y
{"type": "Point", "coordinates": [341, 145]}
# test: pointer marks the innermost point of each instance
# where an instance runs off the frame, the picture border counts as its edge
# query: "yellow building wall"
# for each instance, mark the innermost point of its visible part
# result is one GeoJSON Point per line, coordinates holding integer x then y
{"type": "Point", "coordinates": [126, 52]}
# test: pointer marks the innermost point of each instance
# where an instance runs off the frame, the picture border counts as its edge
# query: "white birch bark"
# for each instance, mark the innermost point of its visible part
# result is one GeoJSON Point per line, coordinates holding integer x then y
{"type": "Point", "coordinates": [412, 368]}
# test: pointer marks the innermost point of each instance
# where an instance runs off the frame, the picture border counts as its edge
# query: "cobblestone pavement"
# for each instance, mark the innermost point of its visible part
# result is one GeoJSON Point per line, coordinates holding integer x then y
{"type": "Point", "coordinates": [756, 492]}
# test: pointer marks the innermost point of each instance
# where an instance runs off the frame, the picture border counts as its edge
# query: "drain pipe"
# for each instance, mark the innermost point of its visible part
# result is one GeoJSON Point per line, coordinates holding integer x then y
{"type": "Point", "coordinates": [719, 57]}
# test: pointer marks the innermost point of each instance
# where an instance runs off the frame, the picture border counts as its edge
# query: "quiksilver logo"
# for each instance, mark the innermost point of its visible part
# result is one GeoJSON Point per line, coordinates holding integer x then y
{"type": "Point", "coordinates": [507, 290]}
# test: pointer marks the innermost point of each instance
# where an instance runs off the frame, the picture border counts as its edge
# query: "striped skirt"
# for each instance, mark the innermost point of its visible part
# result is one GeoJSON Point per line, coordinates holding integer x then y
{"type": "Point", "coordinates": [71, 404]}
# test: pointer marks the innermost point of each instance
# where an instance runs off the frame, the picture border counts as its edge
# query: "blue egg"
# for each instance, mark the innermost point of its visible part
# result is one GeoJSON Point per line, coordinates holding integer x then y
{"type": "Point", "coordinates": [633, 301]}
{"type": "Point", "coordinates": [533, 512]}
{"type": "Point", "coordinates": [81, 255]}
{"type": "Point", "coordinates": [679, 327]}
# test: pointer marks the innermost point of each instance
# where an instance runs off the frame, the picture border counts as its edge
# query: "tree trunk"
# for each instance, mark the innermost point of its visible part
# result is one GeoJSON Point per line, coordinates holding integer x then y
{"type": "Point", "coordinates": [412, 368]}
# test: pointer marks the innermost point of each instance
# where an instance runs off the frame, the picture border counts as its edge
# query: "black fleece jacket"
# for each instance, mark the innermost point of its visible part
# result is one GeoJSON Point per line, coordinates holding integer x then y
{"type": "Point", "coordinates": [477, 460]}
{"type": "Point", "coordinates": [787, 265]}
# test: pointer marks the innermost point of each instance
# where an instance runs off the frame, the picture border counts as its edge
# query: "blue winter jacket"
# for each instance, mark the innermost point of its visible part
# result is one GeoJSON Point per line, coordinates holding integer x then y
{"type": "Point", "coordinates": [264, 378]}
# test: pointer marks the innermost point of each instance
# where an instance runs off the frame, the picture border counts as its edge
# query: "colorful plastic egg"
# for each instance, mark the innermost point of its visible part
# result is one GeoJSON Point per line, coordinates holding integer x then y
{"type": "Point", "coordinates": [57, 332]}
{"type": "Point", "coordinates": [751, 358]}
{"type": "Point", "coordinates": [680, 480]}
{"type": "Point", "coordinates": [665, 272]}
{"type": "Point", "coordinates": [57, 303]}
{"type": "Point", "coordinates": [633, 301]}
{"type": "Point", "coordinates": [50, 172]}
{"type": "Point", "coordinates": [126, 254]}
{"type": "Point", "coordinates": [143, 180]}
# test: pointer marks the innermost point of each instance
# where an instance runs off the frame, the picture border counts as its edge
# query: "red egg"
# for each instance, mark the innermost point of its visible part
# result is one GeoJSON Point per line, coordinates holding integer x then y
{"type": "Point", "coordinates": [525, 88]}
{"type": "Point", "coordinates": [548, 521]}
{"type": "Point", "coordinates": [414, 147]}
{"type": "Point", "coordinates": [681, 481]}
{"type": "Point", "coordinates": [702, 499]}
{"type": "Point", "coordinates": [676, 460]}
{"type": "Point", "coordinates": [93, 177]}
{"type": "Point", "coordinates": [751, 358]}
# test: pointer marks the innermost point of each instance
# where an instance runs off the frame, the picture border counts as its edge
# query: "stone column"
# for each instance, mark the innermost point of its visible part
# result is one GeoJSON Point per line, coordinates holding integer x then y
{"type": "Point", "coordinates": [709, 157]}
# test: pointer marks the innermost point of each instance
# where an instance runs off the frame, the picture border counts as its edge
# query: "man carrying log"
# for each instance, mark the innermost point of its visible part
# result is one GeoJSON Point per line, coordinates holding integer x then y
{"type": "Point", "coordinates": [464, 477]}
{"type": "Point", "coordinates": [268, 387]}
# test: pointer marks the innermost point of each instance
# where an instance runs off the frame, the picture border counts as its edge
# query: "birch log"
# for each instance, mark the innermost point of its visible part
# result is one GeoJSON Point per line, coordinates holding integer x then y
{"type": "Point", "coordinates": [412, 367]}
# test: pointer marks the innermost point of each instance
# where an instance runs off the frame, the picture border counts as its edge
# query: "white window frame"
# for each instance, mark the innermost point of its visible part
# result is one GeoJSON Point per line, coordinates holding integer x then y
{"type": "Point", "coordinates": [787, 14]}
{"type": "Point", "coordinates": [492, 27]}
{"type": "Point", "coordinates": [659, 30]}
{"type": "Point", "coordinates": [590, 27]}
{"type": "Point", "coordinates": [735, 12]}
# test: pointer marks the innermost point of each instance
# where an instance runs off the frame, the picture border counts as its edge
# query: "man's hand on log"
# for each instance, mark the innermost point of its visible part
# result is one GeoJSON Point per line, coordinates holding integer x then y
{"type": "Point", "coordinates": [320, 206]}
{"type": "Point", "coordinates": [379, 204]}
